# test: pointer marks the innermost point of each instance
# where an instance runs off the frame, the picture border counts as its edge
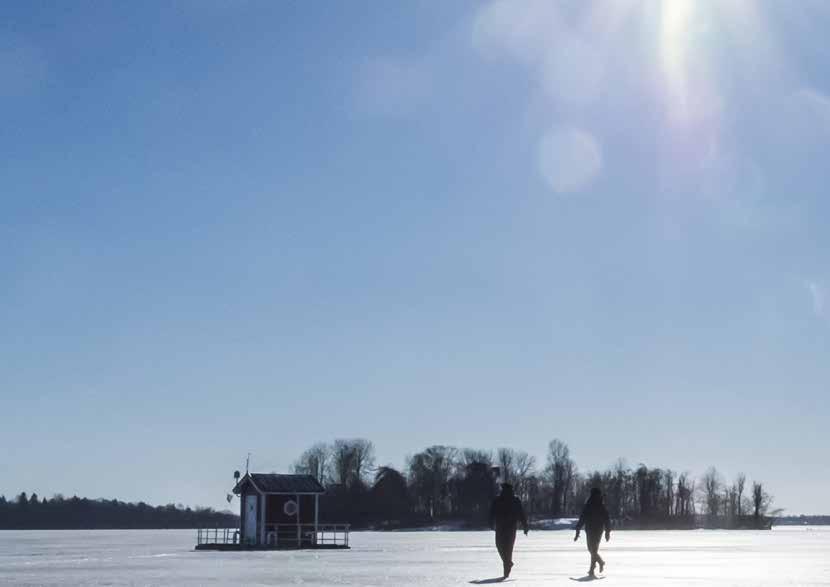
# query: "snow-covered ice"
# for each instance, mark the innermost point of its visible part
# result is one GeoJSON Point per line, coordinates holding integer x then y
{"type": "Point", "coordinates": [783, 556]}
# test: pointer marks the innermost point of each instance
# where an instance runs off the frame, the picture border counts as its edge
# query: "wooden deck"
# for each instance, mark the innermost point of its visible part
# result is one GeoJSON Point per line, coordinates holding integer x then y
{"type": "Point", "coordinates": [241, 547]}
{"type": "Point", "coordinates": [277, 537]}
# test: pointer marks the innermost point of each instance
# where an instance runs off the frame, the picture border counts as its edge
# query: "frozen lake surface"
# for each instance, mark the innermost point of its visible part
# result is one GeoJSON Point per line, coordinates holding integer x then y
{"type": "Point", "coordinates": [783, 556]}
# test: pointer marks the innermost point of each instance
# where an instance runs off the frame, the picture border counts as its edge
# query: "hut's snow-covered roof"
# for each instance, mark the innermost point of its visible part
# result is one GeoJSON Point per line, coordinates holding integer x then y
{"type": "Point", "coordinates": [278, 483]}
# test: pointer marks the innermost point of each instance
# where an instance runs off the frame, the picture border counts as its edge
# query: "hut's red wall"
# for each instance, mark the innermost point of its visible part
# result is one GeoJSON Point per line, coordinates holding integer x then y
{"type": "Point", "coordinates": [275, 514]}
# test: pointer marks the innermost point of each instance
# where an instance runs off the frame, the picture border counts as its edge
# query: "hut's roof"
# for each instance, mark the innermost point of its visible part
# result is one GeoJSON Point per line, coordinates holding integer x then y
{"type": "Point", "coordinates": [277, 483]}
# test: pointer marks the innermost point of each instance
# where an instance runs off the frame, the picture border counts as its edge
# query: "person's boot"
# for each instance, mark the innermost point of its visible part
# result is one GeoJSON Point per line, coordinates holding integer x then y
{"type": "Point", "coordinates": [601, 565]}
{"type": "Point", "coordinates": [507, 568]}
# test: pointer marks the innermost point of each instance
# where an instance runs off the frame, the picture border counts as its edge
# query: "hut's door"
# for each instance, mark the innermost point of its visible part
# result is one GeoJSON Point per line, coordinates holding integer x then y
{"type": "Point", "coordinates": [250, 518]}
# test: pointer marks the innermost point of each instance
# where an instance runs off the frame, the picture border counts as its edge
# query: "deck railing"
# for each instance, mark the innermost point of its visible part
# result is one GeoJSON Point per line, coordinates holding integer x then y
{"type": "Point", "coordinates": [307, 535]}
{"type": "Point", "coordinates": [217, 536]}
{"type": "Point", "coordinates": [283, 535]}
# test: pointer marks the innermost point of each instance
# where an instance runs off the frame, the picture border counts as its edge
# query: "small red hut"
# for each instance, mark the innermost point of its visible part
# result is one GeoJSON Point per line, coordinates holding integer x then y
{"type": "Point", "coordinates": [277, 511]}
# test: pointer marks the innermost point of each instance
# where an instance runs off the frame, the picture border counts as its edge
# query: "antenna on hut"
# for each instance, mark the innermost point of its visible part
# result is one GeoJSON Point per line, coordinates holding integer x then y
{"type": "Point", "coordinates": [229, 496]}
{"type": "Point", "coordinates": [247, 462]}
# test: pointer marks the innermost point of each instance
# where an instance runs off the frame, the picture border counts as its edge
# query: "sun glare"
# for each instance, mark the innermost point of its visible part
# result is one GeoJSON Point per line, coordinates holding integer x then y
{"type": "Point", "coordinates": [674, 41]}
{"type": "Point", "coordinates": [690, 34]}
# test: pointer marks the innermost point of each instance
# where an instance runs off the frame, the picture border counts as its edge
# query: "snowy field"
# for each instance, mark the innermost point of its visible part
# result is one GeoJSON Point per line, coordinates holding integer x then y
{"type": "Point", "coordinates": [784, 556]}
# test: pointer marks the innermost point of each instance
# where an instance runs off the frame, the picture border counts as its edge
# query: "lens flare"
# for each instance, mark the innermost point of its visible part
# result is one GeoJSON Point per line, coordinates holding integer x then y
{"type": "Point", "coordinates": [674, 53]}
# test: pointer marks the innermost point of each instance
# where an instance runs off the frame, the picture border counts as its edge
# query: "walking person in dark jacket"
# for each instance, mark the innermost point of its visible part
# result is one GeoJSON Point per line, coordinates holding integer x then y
{"type": "Point", "coordinates": [505, 515]}
{"type": "Point", "coordinates": [594, 519]}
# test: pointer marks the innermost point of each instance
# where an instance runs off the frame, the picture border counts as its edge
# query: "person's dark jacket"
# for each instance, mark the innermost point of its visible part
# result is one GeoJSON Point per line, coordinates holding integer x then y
{"type": "Point", "coordinates": [506, 513]}
{"type": "Point", "coordinates": [594, 517]}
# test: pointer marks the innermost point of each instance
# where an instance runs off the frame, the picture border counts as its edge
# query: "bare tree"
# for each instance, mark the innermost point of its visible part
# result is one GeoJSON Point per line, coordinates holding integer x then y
{"type": "Point", "coordinates": [505, 458]}
{"type": "Point", "coordinates": [364, 458]}
{"type": "Point", "coordinates": [515, 466]}
{"type": "Point", "coordinates": [740, 483]}
{"type": "Point", "coordinates": [533, 494]}
{"type": "Point", "coordinates": [351, 461]}
{"type": "Point", "coordinates": [685, 491]}
{"type": "Point", "coordinates": [525, 464]}
{"type": "Point", "coordinates": [711, 488]}
{"type": "Point", "coordinates": [668, 481]}
{"type": "Point", "coordinates": [616, 489]}
{"type": "Point", "coordinates": [761, 500]}
{"type": "Point", "coordinates": [441, 481]}
{"type": "Point", "coordinates": [560, 471]}
{"type": "Point", "coordinates": [342, 462]}
{"type": "Point", "coordinates": [429, 476]}
{"type": "Point", "coordinates": [470, 455]}
{"type": "Point", "coordinates": [314, 461]}
{"type": "Point", "coordinates": [568, 485]}
{"type": "Point", "coordinates": [730, 504]}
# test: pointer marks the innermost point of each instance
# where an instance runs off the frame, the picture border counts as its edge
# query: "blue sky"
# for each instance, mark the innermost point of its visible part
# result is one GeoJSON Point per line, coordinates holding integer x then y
{"type": "Point", "coordinates": [249, 226]}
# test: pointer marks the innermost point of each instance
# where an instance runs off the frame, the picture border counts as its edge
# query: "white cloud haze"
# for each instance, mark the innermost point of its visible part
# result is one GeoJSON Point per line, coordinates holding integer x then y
{"type": "Point", "coordinates": [569, 160]}
{"type": "Point", "coordinates": [817, 296]}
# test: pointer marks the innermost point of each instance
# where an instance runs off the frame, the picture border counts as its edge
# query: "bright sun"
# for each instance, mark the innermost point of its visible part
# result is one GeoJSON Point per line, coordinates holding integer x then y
{"type": "Point", "coordinates": [686, 59]}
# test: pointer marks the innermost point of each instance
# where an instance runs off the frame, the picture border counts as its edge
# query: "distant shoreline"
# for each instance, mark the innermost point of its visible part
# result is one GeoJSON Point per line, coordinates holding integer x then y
{"type": "Point", "coordinates": [77, 513]}
{"type": "Point", "coordinates": [413, 530]}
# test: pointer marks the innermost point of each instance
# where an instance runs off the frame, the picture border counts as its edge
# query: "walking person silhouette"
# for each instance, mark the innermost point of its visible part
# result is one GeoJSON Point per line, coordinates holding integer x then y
{"type": "Point", "coordinates": [505, 515]}
{"type": "Point", "coordinates": [594, 519]}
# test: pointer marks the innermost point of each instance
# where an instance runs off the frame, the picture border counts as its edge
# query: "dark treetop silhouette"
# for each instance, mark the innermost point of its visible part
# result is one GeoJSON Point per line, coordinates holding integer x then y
{"type": "Point", "coordinates": [26, 513]}
{"type": "Point", "coordinates": [445, 485]}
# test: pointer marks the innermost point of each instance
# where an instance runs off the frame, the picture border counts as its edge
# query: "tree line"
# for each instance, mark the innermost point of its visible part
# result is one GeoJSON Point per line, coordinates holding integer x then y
{"type": "Point", "coordinates": [444, 484]}
{"type": "Point", "coordinates": [31, 512]}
